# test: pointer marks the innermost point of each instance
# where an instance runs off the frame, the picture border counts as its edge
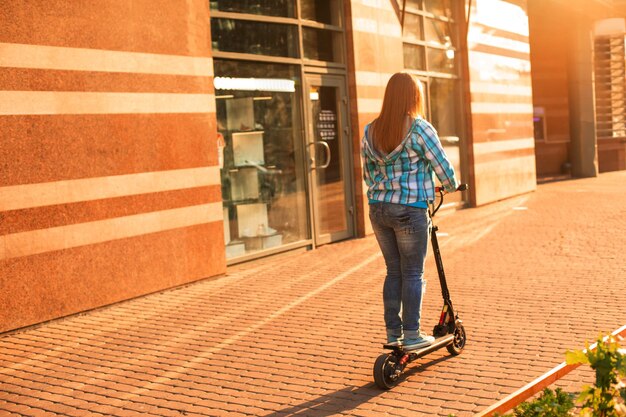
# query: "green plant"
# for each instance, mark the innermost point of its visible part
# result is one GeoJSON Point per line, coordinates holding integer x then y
{"type": "Point", "coordinates": [549, 404]}
{"type": "Point", "coordinates": [606, 398]}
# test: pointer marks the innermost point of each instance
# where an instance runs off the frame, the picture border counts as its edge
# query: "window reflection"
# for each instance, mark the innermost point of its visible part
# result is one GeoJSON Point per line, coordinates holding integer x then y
{"type": "Point", "coordinates": [319, 44]}
{"type": "Point", "coordinates": [435, 62]}
{"type": "Point", "coordinates": [439, 7]}
{"type": "Point", "coordinates": [282, 8]}
{"type": "Point", "coordinates": [231, 35]}
{"type": "Point", "coordinates": [437, 30]}
{"type": "Point", "coordinates": [413, 27]}
{"type": "Point", "coordinates": [444, 106]}
{"type": "Point", "coordinates": [322, 11]}
{"type": "Point", "coordinates": [444, 115]}
{"type": "Point", "coordinates": [412, 4]}
{"type": "Point", "coordinates": [440, 60]}
{"type": "Point", "coordinates": [414, 57]}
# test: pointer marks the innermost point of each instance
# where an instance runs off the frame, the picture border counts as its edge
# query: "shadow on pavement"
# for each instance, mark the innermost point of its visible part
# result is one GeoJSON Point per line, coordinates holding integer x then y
{"type": "Point", "coordinates": [347, 398]}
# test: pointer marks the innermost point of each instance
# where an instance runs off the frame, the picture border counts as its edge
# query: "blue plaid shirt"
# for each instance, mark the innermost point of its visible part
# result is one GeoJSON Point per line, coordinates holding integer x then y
{"type": "Point", "coordinates": [407, 174]}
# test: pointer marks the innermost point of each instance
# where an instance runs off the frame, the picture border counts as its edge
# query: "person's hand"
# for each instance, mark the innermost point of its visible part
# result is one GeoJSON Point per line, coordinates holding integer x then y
{"type": "Point", "coordinates": [461, 187]}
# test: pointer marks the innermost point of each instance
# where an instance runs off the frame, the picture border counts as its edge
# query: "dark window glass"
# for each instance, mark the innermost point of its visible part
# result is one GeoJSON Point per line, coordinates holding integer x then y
{"type": "Point", "coordinates": [259, 38]}
{"type": "Point", "coordinates": [319, 44]}
{"type": "Point", "coordinates": [322, 11]}
{"type": "Point", "coordinates": [282, 8]}
{"type": "Point", "coordinates": [441, 60]}
{"type": "Point", "coordinates": [413, 27]}
{"type": "Point", "coordinates": [414, 57]}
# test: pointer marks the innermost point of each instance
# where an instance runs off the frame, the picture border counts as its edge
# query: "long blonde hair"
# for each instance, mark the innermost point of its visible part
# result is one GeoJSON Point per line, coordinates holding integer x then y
{"type": "Point", "coordinates": [404, 95]}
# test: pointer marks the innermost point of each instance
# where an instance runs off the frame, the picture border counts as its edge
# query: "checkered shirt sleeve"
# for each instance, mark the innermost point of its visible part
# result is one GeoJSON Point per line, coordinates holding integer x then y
{"type": "Point", "coordinates": [430, 147]}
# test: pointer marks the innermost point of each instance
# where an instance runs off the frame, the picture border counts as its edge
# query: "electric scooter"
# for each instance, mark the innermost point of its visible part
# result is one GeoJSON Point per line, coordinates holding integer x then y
{"type": "Point", "coordinates": [448, 333]}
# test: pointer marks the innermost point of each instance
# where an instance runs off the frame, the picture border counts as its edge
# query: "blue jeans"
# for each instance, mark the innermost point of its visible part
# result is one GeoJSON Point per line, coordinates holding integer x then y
{"type": "Point", "coordinates": [402, 233]}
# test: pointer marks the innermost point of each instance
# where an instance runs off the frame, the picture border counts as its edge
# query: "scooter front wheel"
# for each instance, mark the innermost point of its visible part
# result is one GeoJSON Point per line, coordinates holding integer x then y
{"type": "Point", "coordinates": [385, 375]}
{"type": "Point", "coordinates": [456, 347]}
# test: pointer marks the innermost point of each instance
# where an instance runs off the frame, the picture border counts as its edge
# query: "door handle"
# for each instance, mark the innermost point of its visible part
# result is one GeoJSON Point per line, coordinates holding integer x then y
{"type": "Point", "coordinates": [328, 155]}
{"type": "Point", "coordinates": [312, 156]}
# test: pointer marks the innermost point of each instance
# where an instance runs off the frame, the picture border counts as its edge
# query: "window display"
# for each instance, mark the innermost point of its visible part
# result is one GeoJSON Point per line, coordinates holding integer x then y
{"type": "Point", "coordinates": [248, 148]}
{"type": "Point", "coordinates": [271, 147]}
{"type": "Point", "coordinates": [263, 185]}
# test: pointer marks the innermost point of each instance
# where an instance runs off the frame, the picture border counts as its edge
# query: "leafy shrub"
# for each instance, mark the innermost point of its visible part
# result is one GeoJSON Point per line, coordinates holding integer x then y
{"type": "Point", "coordinates": [549, 404]}
{"type": "Point", "coordinates": [606, 398]}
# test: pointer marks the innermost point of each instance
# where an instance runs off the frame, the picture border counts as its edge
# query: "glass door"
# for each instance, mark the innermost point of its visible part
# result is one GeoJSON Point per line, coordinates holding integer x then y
{"type": "Point", "coordinates": [328, 154]}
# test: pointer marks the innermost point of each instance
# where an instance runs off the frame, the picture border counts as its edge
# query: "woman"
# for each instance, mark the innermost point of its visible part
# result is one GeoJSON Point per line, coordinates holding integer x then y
{"type": "Point", "coordinates": [401, 156]}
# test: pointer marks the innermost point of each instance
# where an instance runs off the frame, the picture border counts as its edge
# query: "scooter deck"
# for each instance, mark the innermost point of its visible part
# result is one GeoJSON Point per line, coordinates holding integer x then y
{"type": "Point", "coordinates": [416, 353]}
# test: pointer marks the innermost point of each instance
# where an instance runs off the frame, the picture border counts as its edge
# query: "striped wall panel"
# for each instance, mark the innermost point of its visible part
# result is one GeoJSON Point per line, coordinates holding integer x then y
{"type": "Point", "coordinates": [374, 55]}
{"type": "Point", "coordinates": [501, 100]}
{"type": "Point", "coordinates": [109, 186]}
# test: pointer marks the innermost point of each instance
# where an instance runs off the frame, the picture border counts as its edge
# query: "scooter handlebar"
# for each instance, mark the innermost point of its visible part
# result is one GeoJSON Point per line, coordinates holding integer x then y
{"type": "Point", "coordinates": [441, 191]}
{"type": "Point", "coordinates": [462, 187]}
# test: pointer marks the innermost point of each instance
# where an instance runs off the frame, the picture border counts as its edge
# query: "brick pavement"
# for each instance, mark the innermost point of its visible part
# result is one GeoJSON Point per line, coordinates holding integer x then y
{"type": "Point", "coordinates": [297, 334]}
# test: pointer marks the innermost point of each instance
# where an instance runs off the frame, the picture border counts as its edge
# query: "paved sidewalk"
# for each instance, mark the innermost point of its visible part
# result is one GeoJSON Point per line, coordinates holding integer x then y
{"type": "Point", "coordinates": [296, 335]}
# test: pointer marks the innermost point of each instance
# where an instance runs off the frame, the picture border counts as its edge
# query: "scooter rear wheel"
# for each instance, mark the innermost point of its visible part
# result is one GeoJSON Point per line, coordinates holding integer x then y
{"type": "Point", "coordinates": [385, 371]}
{"type": "Point", "coordinates": [456, 347]}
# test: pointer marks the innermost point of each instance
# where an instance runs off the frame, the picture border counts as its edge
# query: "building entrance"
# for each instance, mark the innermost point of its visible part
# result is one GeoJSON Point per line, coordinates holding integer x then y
{"type": "Point", "coordinates": [281, 106]}
{"type": "Point", "coordinates": [328, 151]}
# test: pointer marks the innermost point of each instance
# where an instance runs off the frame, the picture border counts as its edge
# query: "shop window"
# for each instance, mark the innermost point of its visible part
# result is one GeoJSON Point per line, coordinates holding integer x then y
{"type": "Point", "coordinates": [441, 60]}
{"type": "Point", "coordinates": [430, 52]}
{"type": "Point", "coordinates": [263, 189]}
{"type": "Point", "coordinates": [321, 11]}
{"type": "Point", "coordinates": [259, 109]}
{"type": "Point", "coordinates": [320, 44]}
{"type": "Point", "coordinates": [413, 27]}
{"type": "Point", "coordinates": [438, 7]}
{"type": "Point", "coordinates": [280, 8]}
{"type": "Point", "coordinates": [445, 103]}
{"type": "Point", "coordinates": [429, 42]}
{"type": "Point", "coordinates": [437, 31]}
{"type": "Point", "coordinates": [230, 35]}
{"type": "Point", "coordinates": [444, 106]}
{"type": "Point", "coordinates": [414, 57]}
{"type": "Point", "coordinates": [412, 4]}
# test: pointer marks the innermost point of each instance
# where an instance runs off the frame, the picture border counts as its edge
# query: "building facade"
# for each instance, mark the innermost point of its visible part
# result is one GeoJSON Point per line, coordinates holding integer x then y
{"type": "Point", "coordinates": [577, 55]}
{"type": "Point", "coordinates": [147, 145]}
